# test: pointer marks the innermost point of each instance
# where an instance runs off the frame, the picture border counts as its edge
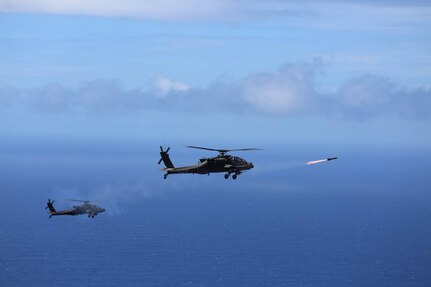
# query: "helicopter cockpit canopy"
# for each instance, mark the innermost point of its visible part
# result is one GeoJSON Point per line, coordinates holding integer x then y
{"type": "Point", "coordinates": [238, 160]}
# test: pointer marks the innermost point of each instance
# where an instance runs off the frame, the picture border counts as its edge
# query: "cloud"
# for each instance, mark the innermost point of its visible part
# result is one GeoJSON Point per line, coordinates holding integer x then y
{"type": "Point", "coordinates": [413, 103]}
{"type": "Point", "coordinates": [108, 96]}
{"type": "Point", "coordinates": [330, 13]}
{"type": "Point", "coordinates": [286, 91]}
{"type": "Point", "coordinates": [365, 95]}
{"type": "Point", "coordinates": [96, 97]}
{"type": "Point", "coordinates": [372, 95]}
{"type": "Point", "coordinates": [52, 98]}
{"type": "Point", "coordinates": [162, 86]}
{"type": "Point", "coordinates": [289, 91]}
{"type": "Point", "coordinates": [161, 9]}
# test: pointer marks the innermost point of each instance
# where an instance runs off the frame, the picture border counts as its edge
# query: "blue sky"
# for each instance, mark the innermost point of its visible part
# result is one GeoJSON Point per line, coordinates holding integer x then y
{"type": "Point", "coordinates": [348, 72]}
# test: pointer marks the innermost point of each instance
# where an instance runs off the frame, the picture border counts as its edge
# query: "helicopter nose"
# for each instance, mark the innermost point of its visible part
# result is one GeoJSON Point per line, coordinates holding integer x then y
{"type": "Point", "coordinates": [251, 165]}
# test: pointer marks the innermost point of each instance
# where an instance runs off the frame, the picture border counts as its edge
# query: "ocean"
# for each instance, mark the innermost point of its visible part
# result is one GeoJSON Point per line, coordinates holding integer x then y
{"type": "Point", "coordinates": [362, 220]}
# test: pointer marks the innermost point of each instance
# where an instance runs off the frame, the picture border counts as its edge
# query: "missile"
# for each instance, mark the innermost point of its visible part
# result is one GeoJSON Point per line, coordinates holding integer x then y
{"type": "Point", "coordinates": [322, 160]}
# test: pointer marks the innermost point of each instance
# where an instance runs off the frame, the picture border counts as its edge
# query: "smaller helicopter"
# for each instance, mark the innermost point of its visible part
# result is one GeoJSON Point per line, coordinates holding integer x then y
{"type": "Point", "coordinates": [85, 208]}
{"type": "Point", "coordinates": [223, 162]}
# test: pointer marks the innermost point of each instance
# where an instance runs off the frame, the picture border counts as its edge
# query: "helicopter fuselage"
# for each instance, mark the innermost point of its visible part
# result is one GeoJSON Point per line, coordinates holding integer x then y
{"type": "Point", "coordinates": [86, 208]}
{"type": "Point", "coordinates": [221, 163]}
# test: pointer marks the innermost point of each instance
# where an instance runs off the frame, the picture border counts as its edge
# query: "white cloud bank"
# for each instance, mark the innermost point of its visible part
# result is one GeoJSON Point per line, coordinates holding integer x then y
{"type": "Point", "coordinates": [289, 91]}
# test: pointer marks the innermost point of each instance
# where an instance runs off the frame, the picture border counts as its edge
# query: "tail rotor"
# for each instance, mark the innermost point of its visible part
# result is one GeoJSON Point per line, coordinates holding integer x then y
{"type": "Point", "coordinates": [162, 153]}
{"type": "Point", "coordinates": [161, 159]}
{"type": "Point", "coordinates": [164, 156]}
{"type": "Point", "coordinates": [49, 203]}
{"type": "Point", "coordinates": [50, 206]}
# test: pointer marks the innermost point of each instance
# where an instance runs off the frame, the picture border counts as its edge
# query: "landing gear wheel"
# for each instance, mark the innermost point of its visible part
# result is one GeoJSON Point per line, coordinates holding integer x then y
{"type": "Point", "coordinates": [234, 176]}
{"type": "Point", "coordinates": [165, 176]}
{"type": "Point", "coordinates": [226, 176]}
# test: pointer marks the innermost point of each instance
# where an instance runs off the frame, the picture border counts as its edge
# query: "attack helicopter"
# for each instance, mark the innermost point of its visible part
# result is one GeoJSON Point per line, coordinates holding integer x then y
{"type": "Point", "coordinates": [223, 162]}
{"type": "Point", "coordinates": [85, 208]}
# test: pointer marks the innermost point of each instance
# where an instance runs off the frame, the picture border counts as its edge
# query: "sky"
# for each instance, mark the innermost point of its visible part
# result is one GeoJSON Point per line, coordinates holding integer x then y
{"type": "Point", "coordinates": [236, 72]}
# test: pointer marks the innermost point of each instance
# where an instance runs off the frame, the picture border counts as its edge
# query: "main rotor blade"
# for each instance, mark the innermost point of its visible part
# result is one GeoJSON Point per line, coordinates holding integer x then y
{"type": "Point", "coordinates": [223, 150]}
{"type": "Point", "coordinates": [242, 149]}
{"type": "Point", "coordinates": [77, 200]}
{"type": "Point", "coordinates": [206, 148]}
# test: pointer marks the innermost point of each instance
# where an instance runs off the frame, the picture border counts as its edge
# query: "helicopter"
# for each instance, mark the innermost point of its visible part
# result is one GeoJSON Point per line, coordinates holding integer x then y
{"type": "Point", "coordinates": [85, 208]}
{"type": "Point", "coordinates": [223, 162]}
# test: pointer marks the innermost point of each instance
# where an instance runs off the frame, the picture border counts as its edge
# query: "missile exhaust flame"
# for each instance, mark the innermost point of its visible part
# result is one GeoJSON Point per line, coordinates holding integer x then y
{"type": "Point", "coordinates": [317, 161]}
{"type": "Point", "coordinates": [321, 160]}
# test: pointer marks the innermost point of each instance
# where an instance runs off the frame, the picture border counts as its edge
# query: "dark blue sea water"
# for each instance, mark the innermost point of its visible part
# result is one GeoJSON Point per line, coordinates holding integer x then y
{"type": "Point", "coordinates": [364, 220]}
